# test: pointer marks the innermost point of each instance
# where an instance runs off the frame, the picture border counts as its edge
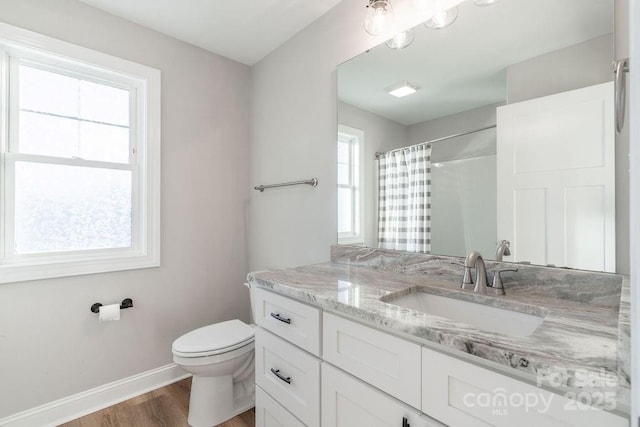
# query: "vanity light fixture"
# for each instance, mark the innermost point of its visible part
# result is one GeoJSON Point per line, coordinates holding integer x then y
{"type": "Point", "coordinates": [379, 17]}
{"type": "Point", "coordinates": [442, 19]}
{"type": "Point", "coordinates": [401, 40]}
{"type": "Point", "coordinates": [401, 89]}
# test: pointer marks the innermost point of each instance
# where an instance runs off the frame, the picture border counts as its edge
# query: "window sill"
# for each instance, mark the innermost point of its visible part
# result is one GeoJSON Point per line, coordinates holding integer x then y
{"type": "Point", "coordinates": [355, 241]}
{"type": "Point", "coordinates": [10, 273]}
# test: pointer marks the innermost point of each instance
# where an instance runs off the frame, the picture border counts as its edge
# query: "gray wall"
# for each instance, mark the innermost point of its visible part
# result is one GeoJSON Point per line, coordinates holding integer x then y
{"type": "Point", "coordinates": [293, 136]}
{"type": "Point", "coordinates": [51, 345]}
{"type": "Point", "coordinates": [466, 121]}
{"type": "Point", "coordinates": [581, 65]}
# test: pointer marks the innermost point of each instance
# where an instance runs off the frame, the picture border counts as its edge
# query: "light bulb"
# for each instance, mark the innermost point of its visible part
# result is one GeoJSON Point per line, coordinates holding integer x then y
{"type": "Point", "coordinates": [401, 40]}
{"type": "Point", "coordinates": [442, 19]}
{"type": "Point", "coordinates": [484, 2]}
{"type": "Point", "coordinates": [379, 17]}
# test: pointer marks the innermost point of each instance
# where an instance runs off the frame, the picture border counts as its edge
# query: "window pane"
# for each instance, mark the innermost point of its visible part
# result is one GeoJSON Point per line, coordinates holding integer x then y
{"type": "Point", "coordinates": [48, 135]}
{"type": "Point", "coordinates": [48, 92]}
{"type": "Point", "coordinates": [344, 210]}
{"type": "Point", "coordinates": [355, 170]}
{"type": "Point", "coordinates": [65, 208]}
{"type": "Point", "coordinates": [104, 142]}
{"type": "Point", "coordinates": [356, 213]}
{"type": "Point", "coordinates": [62, 116]}
{"type": "Point", "coordinates": [343, 152]}
{"type": "Point", "coordinates": [61, 137]}
{"type": "Point", "coordinates": [343, 174]}
{"type": "Point", "coordinates": [103, 103]}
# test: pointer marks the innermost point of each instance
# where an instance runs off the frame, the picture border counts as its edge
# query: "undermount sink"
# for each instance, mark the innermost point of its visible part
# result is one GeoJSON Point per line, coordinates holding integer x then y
{"type": "Point", "coordinates": [479, 316]}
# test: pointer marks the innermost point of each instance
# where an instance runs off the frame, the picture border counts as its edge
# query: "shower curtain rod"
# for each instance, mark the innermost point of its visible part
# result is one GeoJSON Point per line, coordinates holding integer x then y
{"type": "Point", "coordinates": [444, 138]}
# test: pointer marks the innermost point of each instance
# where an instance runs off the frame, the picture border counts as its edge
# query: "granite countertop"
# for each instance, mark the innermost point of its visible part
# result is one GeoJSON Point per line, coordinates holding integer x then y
{"type": "Point", "coordinates": [581, 346]}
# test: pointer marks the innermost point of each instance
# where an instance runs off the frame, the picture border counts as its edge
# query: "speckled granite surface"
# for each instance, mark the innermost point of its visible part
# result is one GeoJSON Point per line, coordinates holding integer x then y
{"type": "Point", "coordinates": [582, 345]}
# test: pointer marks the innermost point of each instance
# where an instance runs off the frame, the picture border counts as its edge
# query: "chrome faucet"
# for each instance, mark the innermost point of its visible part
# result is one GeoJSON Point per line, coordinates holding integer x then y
{"type": "Point", "coordinates": [474, 260]}
{"type": "Point", "coordinates": [502, 249]}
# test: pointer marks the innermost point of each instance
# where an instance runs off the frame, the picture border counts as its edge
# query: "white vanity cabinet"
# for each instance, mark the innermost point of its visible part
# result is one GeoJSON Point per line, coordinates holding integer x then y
{"type": "Point", "coordinates": [318, 369]}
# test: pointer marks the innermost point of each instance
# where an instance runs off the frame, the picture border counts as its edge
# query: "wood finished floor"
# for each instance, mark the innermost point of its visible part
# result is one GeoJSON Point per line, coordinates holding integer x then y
{"type": "Point", "coordinates": [165, 407]}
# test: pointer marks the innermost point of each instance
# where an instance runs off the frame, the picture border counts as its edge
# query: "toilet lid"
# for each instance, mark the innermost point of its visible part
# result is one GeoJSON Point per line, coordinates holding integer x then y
{"type": "Point", "coordinates": [214, 337]}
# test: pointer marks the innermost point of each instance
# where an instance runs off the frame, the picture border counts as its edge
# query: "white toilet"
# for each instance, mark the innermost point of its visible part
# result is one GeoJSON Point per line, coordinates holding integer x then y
{"type": "Point", "coordinates": [221, 359]}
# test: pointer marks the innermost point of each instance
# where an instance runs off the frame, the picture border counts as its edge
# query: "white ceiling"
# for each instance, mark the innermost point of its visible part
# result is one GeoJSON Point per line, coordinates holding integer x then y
{"type": "Point", "coordinates": [243, 30]}
{"type": "Point", "coordinates": [464, 66]}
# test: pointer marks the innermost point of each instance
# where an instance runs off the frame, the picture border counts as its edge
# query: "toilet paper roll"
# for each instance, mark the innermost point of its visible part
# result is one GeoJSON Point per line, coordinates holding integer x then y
{"type": "Point", "coordinates": [109, 312]}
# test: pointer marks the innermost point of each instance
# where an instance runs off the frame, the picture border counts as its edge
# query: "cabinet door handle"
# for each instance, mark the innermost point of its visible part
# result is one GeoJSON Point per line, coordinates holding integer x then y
{"type": "Point", "coordinates": [280, 318]}
{"type": "Point", "coordinates": [277, 373]}
{"type": "Point", "coordinates": [405, 422]}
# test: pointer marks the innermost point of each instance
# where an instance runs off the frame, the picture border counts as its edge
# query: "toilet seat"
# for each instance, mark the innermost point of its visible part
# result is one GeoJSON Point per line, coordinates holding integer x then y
{"type": "Point", "coordinates": [215, 339]}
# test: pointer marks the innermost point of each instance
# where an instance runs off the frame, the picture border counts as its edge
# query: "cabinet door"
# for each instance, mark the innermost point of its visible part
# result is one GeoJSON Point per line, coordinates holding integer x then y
{"type": "Point", "coordinates": [348, 402]}
{"type": "Point", "coordinates": [463, 394]}
{"type": "Point", "coordinates": [390, 363]}
{"type": "Point", "coordinates": [270, 414]}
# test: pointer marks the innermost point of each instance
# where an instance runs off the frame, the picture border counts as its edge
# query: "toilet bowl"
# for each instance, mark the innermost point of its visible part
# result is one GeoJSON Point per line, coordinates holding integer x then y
{"type": "Point", "coordinates": [221, 359]}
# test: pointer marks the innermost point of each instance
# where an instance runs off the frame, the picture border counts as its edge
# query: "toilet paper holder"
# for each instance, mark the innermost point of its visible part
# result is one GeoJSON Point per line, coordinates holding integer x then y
{"type": "Point", "coordinates": [126, 303]}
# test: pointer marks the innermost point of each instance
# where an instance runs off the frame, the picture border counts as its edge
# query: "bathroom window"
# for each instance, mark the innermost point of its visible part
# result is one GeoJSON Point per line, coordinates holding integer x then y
{"type": "Point", "coordinates": [80, 171]}
{"type": "Point", "coordinates": [350, 192]}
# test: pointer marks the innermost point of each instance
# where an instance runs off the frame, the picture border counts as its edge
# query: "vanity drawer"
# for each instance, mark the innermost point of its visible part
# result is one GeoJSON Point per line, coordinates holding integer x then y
{"type": "Point", "coordinates": [292, 320]}
{"type": "Point", "coordinates": [289, 375]}
{"type": "Point", "coordinates": [270, 413]}
{"type": "Point", "coordinates": [390, 363]}
{"type": "Point", "coordinates": [461, 393]}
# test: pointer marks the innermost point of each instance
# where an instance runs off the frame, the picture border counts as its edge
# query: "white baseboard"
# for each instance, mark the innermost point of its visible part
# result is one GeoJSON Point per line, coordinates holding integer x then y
{"type": "Point", "coordinates": [78, 405]}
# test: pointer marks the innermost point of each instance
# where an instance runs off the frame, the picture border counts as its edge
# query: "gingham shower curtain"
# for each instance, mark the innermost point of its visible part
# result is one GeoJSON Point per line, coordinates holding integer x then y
{"type": "Point", "coordinates": [404, 199]}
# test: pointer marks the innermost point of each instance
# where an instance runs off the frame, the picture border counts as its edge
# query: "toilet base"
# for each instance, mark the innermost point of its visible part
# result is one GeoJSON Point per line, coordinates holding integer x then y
{"type": "Point", "coordinates": [212, 401]}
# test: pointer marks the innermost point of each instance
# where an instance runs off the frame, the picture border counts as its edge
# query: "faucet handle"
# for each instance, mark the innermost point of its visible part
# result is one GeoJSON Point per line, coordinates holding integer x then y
{"type": "Point", "coordinates": [467, 281]}
{"type": "Point", "coordinates": [498, 285]}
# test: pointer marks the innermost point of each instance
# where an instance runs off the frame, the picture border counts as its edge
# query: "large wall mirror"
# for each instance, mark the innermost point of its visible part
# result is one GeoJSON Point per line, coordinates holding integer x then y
{"type": "Point", "coordinates": [507, 135]}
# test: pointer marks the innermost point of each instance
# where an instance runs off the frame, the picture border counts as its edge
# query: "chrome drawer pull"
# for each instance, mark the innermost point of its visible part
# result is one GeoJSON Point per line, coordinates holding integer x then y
{"type": "Point", "coordinates": [280, 318]}
{"type": "Point", "coordinates": [277, 373]}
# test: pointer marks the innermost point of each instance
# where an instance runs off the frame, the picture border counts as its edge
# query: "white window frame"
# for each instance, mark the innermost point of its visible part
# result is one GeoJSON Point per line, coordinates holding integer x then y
{"type": "Point", "coordinates": [355, 138]}
{"type": "Point", "coordinates": [21, 46]}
